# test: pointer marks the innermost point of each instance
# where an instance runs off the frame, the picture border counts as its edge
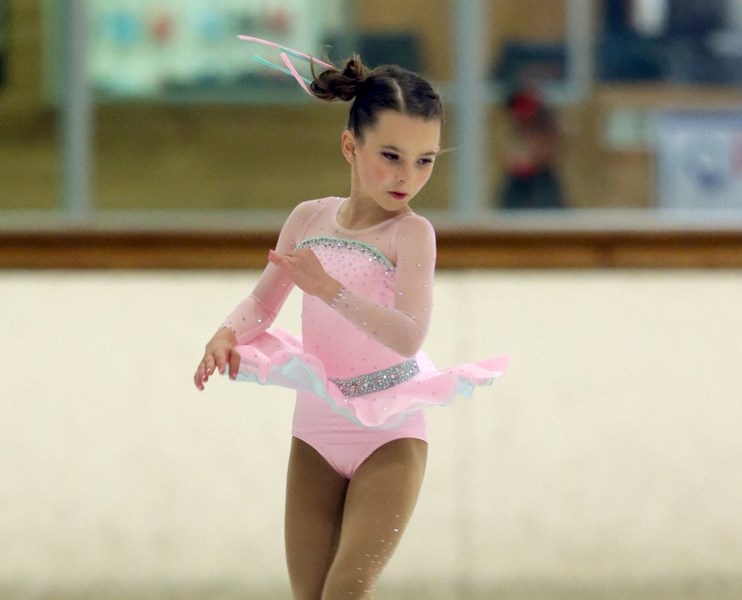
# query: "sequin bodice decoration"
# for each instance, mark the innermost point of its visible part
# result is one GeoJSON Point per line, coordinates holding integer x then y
{"type": "Point", "coordinates": [387, 272]}
{"type": "Point", "coordinates": [345, 350]}
{"type": "Point", "coordinates": [371, 252]}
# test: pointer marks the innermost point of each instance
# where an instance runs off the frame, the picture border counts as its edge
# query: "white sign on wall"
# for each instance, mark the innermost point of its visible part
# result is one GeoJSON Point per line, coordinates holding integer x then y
{"type": "Point", "coordinates": [699, 159]}
{"type": "Point", "coordinates": [139, 47]}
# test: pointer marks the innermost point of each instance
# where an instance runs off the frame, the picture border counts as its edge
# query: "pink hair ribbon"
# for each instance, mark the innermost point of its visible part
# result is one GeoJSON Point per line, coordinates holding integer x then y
{"type": "Point", "coordinates": [290, 69]}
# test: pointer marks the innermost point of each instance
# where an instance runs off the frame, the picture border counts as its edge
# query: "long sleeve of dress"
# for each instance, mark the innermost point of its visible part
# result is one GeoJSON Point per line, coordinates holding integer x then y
{"type": "Point", "coordinates": [256, 312]}
{"type": "Point", "coordinates": [404, 325]}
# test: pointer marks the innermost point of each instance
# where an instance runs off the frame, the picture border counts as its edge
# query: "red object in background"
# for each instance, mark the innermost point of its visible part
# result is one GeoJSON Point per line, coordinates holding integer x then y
{"type": "Point", "coordinates": [521, 168]}
{"type": "Point", "coordinates": [161, 27]}
{"type": "Point", "coordinates": [525, 106]}
{"type": "Point", "coordinates": [278, 20]}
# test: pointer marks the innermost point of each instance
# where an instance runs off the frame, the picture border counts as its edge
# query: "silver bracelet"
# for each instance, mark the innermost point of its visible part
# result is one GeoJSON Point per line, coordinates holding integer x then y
{"type": "Point", "coordinates": [340, 295]}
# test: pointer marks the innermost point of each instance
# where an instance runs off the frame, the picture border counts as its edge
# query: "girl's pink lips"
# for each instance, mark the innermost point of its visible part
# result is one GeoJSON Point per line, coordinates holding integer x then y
{"type": "Point", "coordinates": [399, 195]}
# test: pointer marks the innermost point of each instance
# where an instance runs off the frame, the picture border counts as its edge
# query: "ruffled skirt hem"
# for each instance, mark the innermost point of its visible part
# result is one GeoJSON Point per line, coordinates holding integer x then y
{"type": "Point", "coordinates": [277, 358]}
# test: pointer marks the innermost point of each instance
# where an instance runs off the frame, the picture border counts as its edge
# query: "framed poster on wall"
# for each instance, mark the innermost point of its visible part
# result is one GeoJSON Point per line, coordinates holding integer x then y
{"type": "Point", "coordinates": [699, 160]}
{"type": "Point", "coordinates": [161, 48]}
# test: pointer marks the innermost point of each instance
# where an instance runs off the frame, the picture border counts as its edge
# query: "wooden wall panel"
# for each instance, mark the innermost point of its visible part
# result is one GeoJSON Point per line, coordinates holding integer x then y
{"type": "Point", "coordinates": [471, 249]}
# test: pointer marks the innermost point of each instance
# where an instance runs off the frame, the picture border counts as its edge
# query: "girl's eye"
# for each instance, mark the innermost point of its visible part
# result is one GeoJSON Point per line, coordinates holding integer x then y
{"type": "Point", "coordinates": [389, 155]}
{"type": "Point", "coordinates": [426, 161]}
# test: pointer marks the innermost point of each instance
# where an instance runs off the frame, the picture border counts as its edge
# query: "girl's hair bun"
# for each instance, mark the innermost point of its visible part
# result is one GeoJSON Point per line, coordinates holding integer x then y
{"type": "Point", "coordinates": [340, 84]}
{"type": "Point", "coordinates": [386, 87]}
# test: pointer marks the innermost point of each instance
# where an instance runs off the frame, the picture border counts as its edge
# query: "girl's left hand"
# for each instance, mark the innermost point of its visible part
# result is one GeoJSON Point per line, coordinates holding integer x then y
{"type": "Point", "coordinates": [305, 270]}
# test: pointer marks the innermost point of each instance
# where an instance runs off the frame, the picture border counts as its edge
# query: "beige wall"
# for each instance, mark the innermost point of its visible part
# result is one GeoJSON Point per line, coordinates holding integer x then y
{"type": "Point", "coordinates": [608, 457]}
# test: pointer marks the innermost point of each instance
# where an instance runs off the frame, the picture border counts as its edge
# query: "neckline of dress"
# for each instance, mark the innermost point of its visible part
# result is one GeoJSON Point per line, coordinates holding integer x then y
{"type": "Point", "coordinates": [341, 201]}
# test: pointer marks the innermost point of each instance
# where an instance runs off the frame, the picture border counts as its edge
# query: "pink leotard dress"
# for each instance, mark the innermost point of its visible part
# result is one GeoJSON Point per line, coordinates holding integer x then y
{"type": "Point", "coordinates": [360, 376]}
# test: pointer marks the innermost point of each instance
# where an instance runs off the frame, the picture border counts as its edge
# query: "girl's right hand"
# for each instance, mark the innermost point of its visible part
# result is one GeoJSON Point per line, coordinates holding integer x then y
{"type": "Point", "coordinates": [219, 354]}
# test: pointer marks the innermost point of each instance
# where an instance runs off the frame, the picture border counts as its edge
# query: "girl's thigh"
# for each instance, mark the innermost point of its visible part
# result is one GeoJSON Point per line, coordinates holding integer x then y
{"type": "Point", "coordinates": [379, 503]}
{"type": "Point", "coordinates": [315, 496]}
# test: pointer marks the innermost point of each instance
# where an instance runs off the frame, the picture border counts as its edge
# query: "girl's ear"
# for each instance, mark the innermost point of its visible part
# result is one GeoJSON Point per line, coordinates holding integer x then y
{"type": "Point", "coordinates": [348, 146]}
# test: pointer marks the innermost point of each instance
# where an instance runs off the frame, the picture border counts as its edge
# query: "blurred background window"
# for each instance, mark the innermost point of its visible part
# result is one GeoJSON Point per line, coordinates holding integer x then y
{"type": "Point", "coordinates": [574, 103]}
{"type": "Point", "coordinates": [29, 143]}
{"type": "Point", "coordinates": [682, 41]}
{"type": "Point", "coordinates": [669, 95]}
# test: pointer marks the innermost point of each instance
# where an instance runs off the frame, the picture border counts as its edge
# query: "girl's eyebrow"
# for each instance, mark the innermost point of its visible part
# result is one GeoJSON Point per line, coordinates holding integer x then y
{"type": "Point", "coordinates": [398, 151]}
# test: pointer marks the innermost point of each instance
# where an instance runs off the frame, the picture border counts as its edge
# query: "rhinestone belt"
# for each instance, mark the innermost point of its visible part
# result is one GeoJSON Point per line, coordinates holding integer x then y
{"type": "Point", "coordinates": [378, 380]}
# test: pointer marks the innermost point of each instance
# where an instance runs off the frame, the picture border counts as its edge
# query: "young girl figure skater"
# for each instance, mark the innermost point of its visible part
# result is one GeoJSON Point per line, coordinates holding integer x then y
{"type": "Point", "coordinates": [365, 264]}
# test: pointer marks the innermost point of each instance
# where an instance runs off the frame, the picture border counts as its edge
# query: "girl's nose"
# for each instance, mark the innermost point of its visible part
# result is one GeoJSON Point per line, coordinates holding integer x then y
{"type": "Point", "coordinates": [403, 176]}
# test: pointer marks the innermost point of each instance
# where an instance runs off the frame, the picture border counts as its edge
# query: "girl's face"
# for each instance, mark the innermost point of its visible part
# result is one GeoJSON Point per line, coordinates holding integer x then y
{"type": "Point", "coordinates": [394, 160]}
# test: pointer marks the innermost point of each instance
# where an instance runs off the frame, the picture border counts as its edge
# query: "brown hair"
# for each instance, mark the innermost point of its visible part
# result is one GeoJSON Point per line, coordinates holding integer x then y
{"type": "Point", "coordinates": [388, 87]}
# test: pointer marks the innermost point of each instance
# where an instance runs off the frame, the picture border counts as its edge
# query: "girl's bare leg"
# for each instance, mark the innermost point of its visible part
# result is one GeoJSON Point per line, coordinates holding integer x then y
{"type": "Point", "coordinates": [315, 495]}
{"type": "Point", "coordinates": [379, 503]}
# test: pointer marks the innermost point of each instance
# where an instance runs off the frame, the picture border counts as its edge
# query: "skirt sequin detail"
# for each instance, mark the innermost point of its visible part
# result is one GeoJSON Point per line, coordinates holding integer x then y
{"type": "Point", "coordinates": [378, 380]}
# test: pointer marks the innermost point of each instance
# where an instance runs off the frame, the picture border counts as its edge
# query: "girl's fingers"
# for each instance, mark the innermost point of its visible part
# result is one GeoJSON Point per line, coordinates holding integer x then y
{"type": "Point", "coordinates": [274, 257]}
{"type": "Point", "coordinates": [234, 364]}
{"type": "Point", "coordinates": [221, 362]}
{"type": "Point", "coordinates": [281, 260]}
{"type": "Point", "coordinates": [198, 377]}
{"type": "Point", "coordinates": [205, 368]}
{"type": "Point", "coordinates": [213, 361]}
{"type": "Point", "coordinates": [219, 355]}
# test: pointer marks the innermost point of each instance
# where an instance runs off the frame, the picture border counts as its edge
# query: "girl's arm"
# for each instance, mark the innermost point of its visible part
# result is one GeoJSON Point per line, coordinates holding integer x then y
{"type": "Point", "coordinates": [253, 315]}
{"type": "Point", "coordinates": [401, 327]}
{"type": "Point", "coordinates": [404, 326]}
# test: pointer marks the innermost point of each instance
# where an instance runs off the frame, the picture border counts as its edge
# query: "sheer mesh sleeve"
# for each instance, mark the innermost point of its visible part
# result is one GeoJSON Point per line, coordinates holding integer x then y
{"type": "Point", "coordinates": [403, 326]}
{"type": "Point", "coordinates": [256, 312]}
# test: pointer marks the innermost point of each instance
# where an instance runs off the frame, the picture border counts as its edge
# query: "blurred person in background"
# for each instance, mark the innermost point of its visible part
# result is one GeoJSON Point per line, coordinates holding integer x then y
{"type": "Point", "coordinates": [531, 171]}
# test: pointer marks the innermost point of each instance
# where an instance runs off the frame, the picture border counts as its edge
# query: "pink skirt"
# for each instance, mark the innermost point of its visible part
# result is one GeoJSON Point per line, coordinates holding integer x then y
{"type": "Point", "coordinates": [277, 358]}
